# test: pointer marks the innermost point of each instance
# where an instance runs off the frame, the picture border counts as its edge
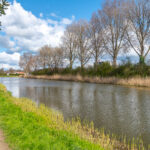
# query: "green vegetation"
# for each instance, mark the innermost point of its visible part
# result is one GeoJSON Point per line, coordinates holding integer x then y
{"type": "Point", "coordinates": [26, 129]}
{"type": "Point", "coordinates": [3, 6]}
{"type": "Point", "coordinates": [11, 75]}
{"type": "Point", "coordinates": [103, 70]}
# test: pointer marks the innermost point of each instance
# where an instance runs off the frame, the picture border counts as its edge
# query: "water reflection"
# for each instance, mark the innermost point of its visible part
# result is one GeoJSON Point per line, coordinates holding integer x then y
{"type": "Point", "coordinates": [121, 110]}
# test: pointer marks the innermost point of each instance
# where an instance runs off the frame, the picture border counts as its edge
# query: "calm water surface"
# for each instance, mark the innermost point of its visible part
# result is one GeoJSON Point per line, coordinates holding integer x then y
{"type": "Point", "coordinates": [120, 110]}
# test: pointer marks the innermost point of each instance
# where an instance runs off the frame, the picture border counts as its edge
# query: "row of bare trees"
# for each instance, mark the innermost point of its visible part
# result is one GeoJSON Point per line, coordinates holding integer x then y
{"type": "Point", "coordinates": [48, 57]}
{"type": "Point", "coordinates": [120, 26]}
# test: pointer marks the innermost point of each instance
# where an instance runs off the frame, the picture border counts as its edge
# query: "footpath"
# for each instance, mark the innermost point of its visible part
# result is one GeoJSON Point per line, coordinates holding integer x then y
{"type": "Point", "coordinates": [3, 145]}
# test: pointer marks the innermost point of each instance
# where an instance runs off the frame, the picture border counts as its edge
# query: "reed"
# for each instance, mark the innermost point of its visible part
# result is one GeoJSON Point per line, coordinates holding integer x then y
{"type": "Point", "coordinates": [136, 81]}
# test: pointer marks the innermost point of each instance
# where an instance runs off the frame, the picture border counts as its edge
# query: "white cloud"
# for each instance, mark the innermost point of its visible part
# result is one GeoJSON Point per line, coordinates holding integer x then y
{"type": "Point", "coordinates": [41, 15]}
{"type": "Point", "coordinates": [67, 21]}
{"type": "Point", "coordinates": [52, 22]}
{"type": "Point", "coordinates": [9, 60]}
{"type": "Point", "coordinates": [53, 15]}
{"type": "Point", "coordinates": [6, 42]}
{"type": "Point", "coordinates": [8, 66]}
{"type": "Point", "coordinates": [30, 32]}
{"type": "Point", "coordinates": [23, 31]}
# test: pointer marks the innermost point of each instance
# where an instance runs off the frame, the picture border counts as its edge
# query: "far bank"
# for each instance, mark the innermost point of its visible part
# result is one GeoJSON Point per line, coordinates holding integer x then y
{"type": "Point", "coordinates": [134, 81]}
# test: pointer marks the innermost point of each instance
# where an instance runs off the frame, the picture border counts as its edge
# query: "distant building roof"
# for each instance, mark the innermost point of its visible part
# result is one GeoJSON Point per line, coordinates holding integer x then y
{"type": "Point", "coordinates": [20, 72]}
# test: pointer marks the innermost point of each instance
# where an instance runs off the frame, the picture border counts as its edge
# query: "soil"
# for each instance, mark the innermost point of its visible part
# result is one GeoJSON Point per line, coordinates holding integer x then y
{"type": "Point", "coordinates": [3, 145]}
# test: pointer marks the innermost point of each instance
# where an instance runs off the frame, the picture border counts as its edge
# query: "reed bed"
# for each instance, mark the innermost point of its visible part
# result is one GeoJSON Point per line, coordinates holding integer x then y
{"type": "Point", "coordinates": [136, 81]}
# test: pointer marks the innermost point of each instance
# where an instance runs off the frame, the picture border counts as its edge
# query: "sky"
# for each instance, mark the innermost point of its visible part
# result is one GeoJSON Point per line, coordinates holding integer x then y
{"type": "Point", "coordinates": [30, 24]}
{"type": "Point", "coordinates": [62, 8]}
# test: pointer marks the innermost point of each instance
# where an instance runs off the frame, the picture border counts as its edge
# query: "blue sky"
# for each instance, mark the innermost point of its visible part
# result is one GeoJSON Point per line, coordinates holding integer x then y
{"type": "Point", "coordinates": [30, 24]}
{"type": "Point", "coordinates": [64, 8]}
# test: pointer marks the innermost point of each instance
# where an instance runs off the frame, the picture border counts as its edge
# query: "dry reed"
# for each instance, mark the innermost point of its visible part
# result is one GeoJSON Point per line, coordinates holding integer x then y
{"type": "Point", "coordinates": [135, 81]}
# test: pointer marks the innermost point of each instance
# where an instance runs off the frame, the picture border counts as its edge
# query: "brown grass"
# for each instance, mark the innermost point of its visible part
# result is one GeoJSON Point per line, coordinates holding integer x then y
{"type": "Point", "coordinates": [135, 81]}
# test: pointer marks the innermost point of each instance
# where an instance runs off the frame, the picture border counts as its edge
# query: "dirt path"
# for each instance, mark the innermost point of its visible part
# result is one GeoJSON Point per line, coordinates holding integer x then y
{"type": "Point", "coordinates": [3, 145]}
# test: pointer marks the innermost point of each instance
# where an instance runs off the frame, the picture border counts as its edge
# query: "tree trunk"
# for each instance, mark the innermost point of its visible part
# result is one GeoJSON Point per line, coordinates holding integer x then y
{"type": "Point", "coordinates": [82, 65]}
{"type": "Point", "coordinates": [96, 61]}
{"type": "Point", "coordinates": [141, 60]}
{"type": "Point", "coordinates": [114, 61]}
{"type": "Point", "coordinates": [71, 64]}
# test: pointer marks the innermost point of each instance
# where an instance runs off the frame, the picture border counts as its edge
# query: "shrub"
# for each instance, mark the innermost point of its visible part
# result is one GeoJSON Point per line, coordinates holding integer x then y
{"type": "Point", "coordinates": [104, 70]}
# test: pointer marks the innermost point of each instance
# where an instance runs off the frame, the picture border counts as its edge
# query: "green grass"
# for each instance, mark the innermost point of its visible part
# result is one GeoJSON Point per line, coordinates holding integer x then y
{"type": "Point", "coordinates": [9, 76]}
{"type": "Point", "coordinates": [27, 130]}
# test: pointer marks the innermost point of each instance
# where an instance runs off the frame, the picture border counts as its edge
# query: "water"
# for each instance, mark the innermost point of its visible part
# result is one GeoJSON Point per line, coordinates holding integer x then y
{"type": "Point", "coordinates": [120, 110]}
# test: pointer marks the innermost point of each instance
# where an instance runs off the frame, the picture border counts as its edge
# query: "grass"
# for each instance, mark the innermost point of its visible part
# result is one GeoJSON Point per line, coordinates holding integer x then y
{"type": "Point", "coordinates": [9, 75]}
{"type": "Point", "coordinates": [26, 130]}
{"type": "Point", "coordinates": [28, 127]}
{"type": "Point", "coordinates": [134, 81]}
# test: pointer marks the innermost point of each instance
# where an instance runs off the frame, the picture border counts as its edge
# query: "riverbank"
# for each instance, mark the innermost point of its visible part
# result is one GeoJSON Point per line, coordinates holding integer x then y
{"type": "Point", "coordinates": [27, 126]}
{"type": "Point", "coordinates": [9, 76]}
{"type": "Point", "coordinates": [136, 81]}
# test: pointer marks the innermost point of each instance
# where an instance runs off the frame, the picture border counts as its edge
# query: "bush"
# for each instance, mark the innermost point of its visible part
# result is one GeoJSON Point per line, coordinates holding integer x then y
{"type": "Point", "coordinates": [125, 70]}
{"type": "Point", "coordinates": [103, 70]}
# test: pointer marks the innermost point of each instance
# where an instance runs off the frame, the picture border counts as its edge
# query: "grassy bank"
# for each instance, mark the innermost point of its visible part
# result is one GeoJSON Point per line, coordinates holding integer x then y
{"type": "Point", "coordinates": [9, 76]}
{"type": "Point", "coordinates": [134, 81]}
{"type": "Point", "coordinates": [28, 127]}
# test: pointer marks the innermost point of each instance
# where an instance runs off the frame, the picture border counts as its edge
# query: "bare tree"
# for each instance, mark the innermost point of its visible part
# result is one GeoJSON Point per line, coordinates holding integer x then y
{"type": "Point", "coordinates": [35, 62]}
{"type": "Point", "coordinates": [139, 27]}
{"type": "Point", "coordinates": [83, 42]}
{"type": "Point", "coordinates": [2, 71]}
{"type": "Point", "coordinates": [43, 55]}
{"type": "Point", "coordinates": [49, 58]}
{"type": "Point", "coordinates": [96, 36]}
{"type": "Point", "coordinates": [115, 26]}
{"type": "Point", "coordinates": [11, 71]}
{"type": "Point", "coordinates": [57, 56]}
{"type": "Point", "coordinates": [26, 62]}
{"type": "Point", "coordinates": [69, 44]}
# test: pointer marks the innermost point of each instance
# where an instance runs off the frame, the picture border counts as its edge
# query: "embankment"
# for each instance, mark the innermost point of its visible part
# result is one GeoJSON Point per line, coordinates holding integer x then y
{"type": "Point", "coordinates": [135, 81]}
